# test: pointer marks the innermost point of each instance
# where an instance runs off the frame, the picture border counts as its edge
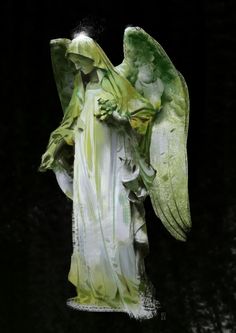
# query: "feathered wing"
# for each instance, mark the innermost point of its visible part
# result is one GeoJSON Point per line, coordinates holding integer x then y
{"type": "Point", "coordinates": [63, 70]}
{"type": "Point", "coordinates": [151, 72]}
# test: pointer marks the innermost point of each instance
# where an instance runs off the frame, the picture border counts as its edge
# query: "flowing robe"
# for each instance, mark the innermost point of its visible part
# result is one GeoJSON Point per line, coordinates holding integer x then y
{"type": "Point", "coordinates": [109, 230]}
{"type": "Point", "coordinates": [107, 187]}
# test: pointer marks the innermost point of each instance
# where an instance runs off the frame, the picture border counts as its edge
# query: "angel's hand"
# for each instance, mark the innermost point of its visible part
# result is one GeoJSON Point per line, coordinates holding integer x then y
{"type": "Point", "coordinates": [48, 158]}
{"type": "Point", "coordinates": [46, 163]}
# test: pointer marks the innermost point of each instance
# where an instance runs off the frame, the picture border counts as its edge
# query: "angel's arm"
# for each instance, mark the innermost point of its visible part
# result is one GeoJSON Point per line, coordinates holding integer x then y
{"type": "Point", "coordinates": [141, 116]}
{"type": "Point", "coordinates": [139, 113]}
{"type": "Point", "coordinates": [63, 134]}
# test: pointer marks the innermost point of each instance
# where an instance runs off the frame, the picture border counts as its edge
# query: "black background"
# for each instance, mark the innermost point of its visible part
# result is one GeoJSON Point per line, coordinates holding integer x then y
{"type": "Point", "coordinates": [194, 281]}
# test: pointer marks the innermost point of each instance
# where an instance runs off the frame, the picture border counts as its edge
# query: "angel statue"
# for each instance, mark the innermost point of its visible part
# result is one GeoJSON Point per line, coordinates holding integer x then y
{"type": "Point", "coordinates": [122, 138]}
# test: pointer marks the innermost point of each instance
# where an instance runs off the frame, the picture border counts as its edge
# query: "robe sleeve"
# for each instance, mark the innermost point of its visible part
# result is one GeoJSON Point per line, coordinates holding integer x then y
{"type": "Point", "coordinates": [140, 174]}
{"type": "Point", "coordinates": [141, 114]}
{"type": "Point", "coordinates": [63, 137]}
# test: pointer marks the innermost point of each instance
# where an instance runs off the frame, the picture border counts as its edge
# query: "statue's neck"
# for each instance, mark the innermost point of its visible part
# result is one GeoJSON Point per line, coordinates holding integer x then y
{"type": "Point", "coordinates": [93, 76]}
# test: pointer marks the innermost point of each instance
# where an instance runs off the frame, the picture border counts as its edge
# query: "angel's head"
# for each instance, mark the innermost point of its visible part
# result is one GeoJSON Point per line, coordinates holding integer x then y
{"type": "Point", "coordinates": [86, 54]}
{"type": "Point", "coordinates": [82, 63]}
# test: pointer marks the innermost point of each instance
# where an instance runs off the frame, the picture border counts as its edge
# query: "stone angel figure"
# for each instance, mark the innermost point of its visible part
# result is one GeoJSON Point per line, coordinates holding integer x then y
{"type": "Point", "coordinates": [122, 138]}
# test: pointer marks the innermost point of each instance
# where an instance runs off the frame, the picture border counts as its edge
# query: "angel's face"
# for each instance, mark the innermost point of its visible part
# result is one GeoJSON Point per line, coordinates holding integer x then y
{"type": "Point", "coordinates": [82, 63]}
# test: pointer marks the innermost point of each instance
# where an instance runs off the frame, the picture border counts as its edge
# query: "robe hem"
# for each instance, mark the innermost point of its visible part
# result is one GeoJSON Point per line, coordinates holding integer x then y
{"type": "Point", "coordinates": [91, 307]}
{"type": "Point", "coordinates": [147, 309]}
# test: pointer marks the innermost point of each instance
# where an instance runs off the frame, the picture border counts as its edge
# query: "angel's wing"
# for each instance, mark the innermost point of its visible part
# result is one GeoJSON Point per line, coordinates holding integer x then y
{"type": "Point", "coordinates": [151, 72]}
{"type": "Point", "coordinates": [63, 70]}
